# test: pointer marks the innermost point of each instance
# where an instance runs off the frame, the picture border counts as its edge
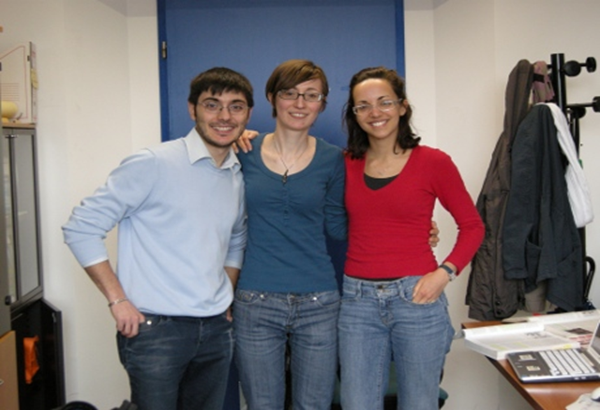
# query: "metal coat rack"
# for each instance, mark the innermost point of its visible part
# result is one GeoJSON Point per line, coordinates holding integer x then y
{"type": "Point", "coordinates": [560, 70]}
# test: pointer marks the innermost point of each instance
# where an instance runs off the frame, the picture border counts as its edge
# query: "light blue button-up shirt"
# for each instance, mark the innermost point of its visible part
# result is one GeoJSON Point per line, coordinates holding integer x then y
{"type": "Point", "coordinates": [181, 220]}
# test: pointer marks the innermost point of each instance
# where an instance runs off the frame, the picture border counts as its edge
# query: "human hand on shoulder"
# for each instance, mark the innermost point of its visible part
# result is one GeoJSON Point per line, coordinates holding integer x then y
{"type": "Point", "coordinates": [433, 234]}
{"type": "Point", "coordinates": [244, 142]}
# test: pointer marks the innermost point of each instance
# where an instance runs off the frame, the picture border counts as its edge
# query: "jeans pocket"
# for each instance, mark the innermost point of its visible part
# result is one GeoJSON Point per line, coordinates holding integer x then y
{"type": "Point", "coordinates": [327, 299]}
{"type": "Point", "coordinates": [150, 322]}
{"type": "Point", "coordinates": [246, 297]}
{"type": "Point", "coordinates": [408, 288]}
{"type": "Point", "coordinates": [132, 346]}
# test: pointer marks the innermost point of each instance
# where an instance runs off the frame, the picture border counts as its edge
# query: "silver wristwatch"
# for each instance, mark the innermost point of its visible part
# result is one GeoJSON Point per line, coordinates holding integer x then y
{"type": "Point", "coordinates": [448, 269]}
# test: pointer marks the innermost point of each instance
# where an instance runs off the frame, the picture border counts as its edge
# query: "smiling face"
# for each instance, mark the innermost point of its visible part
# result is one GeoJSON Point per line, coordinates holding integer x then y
{"type": "Point", "coordinates": [378, 124]}
{"type": "Point", "coordinates": [298, 114]}
{"type": "Point", "coordinates": [220, 128]}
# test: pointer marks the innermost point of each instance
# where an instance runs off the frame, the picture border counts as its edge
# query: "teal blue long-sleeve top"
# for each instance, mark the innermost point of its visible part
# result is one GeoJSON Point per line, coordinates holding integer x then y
{"type": "Point", "coordinates": [286, 250]}
{"type": "Point", "coordinates": [181, 220]}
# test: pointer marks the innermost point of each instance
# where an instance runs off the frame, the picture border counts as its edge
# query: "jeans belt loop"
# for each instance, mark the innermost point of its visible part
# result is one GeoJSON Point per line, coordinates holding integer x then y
{"type": "Point", "coordinates": [400, 285]}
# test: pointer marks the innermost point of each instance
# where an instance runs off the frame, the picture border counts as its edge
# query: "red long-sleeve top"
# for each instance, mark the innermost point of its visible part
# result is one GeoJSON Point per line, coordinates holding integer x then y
{"type": "Point", "coordinates": [389, 228]}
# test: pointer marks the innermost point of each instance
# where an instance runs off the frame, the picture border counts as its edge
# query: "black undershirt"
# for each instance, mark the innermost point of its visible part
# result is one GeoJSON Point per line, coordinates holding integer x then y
{"type": "Point", "coordinates": [377, 183]}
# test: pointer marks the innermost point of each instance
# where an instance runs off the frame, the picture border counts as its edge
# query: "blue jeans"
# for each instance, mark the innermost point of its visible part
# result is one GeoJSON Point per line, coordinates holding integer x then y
{"type": "Point", "coordinates": [264, 324]}
{"type": "Point", "coordinates": [178, 363]}
{"type": "Point", "coordinates": [378, 321]}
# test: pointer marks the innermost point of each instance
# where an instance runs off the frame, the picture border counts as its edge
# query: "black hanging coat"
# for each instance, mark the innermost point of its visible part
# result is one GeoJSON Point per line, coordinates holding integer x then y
{"type": "Point", "coordinates": [540, 238]}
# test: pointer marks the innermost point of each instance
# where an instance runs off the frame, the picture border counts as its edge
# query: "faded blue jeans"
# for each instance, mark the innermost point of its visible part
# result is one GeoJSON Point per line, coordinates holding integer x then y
{"type": "Point", "coordinates": [178, 363]}
{"type": "Point", "coordinates": [264, 323]}
{"type": "Point", "coordinates": [378, 321]}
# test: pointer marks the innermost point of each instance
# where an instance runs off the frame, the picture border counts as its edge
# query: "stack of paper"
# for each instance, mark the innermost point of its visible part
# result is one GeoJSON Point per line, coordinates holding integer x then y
{"type": "Point", "coordinates": [499, 340]}
{"type": "Point", "coordinates": [552, 331]}
{"type": "Point", "coordinates": [575, 326]}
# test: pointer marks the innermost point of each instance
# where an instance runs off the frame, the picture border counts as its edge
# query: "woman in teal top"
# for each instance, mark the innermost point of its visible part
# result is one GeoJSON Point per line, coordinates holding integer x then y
{"type": "Point", "coordinates": [287, 294]}
{"type": "Point", "coordinates": [286, 249]}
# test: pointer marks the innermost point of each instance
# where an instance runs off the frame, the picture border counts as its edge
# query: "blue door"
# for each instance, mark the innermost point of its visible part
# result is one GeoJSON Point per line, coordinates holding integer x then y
{"type": "Point", "coordinates": [253, 37]}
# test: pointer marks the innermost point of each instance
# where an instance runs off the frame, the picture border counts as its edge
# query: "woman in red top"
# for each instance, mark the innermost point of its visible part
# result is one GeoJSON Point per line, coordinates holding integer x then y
{"type": "Point", "coordinates": [393, 306]}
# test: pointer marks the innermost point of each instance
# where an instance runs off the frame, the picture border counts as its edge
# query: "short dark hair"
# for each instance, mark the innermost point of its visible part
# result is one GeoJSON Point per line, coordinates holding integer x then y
{"type": "Point", "coordinates": [291, 73]}
{"type": "Point", "coordinates": [218, 80]}
{"type": "Point", "coordinates": [358, 141]}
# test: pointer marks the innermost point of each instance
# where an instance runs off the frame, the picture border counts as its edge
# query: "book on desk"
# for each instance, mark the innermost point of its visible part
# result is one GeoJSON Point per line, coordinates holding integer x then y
{"type": "Point", "coordinates": [534, 333]}
{"type": "Point", "coordinates": [575, 326]}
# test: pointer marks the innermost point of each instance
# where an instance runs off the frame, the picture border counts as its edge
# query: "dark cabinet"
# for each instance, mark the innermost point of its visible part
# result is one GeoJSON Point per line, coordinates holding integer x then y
{"type": "Point", "coordinates": [36, 324]}
{"type": "Point", "coordinates": [38, 327]}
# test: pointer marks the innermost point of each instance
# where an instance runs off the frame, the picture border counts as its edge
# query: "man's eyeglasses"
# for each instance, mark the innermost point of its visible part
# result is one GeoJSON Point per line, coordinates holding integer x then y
{"type": "Point", "coordinates": [383, 106]}
{"type": "Point", "coordinates": [291, 94]}
{"type": "Point", "coordinates": [234, 109]}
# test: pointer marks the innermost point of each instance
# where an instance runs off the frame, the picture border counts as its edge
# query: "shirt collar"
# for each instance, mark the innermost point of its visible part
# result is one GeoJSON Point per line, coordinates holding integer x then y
{"type": "Point", "coordinates": [196, 148]}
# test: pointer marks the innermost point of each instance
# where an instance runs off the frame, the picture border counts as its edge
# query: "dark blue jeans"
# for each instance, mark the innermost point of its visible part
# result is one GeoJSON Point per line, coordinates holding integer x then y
{"type": "Point", "coordinates": [178, 363]}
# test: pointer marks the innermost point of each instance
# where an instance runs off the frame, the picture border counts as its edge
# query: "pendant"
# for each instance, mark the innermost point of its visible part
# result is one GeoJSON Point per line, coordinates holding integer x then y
{"type": "Point", "coordinates": [284, 177]}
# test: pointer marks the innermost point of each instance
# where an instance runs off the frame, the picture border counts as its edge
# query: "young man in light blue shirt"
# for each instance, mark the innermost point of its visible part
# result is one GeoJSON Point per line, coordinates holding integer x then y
{"type": "Point", "coordinates": [182, 233]}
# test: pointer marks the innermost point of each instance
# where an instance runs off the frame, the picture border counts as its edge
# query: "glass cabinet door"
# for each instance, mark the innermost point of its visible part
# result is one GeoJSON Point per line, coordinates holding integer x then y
{"type": "Point", "coordinates": [25, 212]}
{"type": "Point", "coordinates": [21, 217]}
{"type": "Point", "coordinates": [8, 220]}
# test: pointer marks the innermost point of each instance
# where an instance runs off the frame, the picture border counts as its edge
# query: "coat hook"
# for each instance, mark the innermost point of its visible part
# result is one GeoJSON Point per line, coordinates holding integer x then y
{"type": "Point", "coordinates": [573, 68]}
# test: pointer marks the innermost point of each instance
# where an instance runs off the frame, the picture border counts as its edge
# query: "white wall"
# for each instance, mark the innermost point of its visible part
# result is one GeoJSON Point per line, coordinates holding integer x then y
{"type": "Point", "coordinates": [464, 50]}
{"type": "Point", "coordinates": [98, 101]}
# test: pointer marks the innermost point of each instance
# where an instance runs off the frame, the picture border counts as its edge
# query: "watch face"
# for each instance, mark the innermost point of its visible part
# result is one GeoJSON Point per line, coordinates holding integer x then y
{"type": "Point", "coordinates": [451, 273]}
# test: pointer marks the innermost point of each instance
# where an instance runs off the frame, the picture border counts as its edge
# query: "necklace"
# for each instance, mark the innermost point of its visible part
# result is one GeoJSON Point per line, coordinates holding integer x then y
{"type": "Point", "coordinates": [284, 177]}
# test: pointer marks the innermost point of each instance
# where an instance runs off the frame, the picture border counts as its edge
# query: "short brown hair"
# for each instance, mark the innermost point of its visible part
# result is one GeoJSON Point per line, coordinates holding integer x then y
{"type": "Point", "coordinates": [291, 73]}
{"type": "Point", "coordinates": [218, 80]}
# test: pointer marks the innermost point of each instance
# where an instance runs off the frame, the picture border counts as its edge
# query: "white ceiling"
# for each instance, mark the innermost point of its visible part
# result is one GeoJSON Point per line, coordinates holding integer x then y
{"type": "Point", "coordinates": [140, 8]}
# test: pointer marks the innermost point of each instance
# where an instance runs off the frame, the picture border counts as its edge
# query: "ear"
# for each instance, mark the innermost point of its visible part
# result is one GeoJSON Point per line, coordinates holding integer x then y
{"type": "Point", "coordinates": [403, 107]}
{"type": "Point", "coordinates": [270, 98]}
{"type": "Point", "coordinates": [192, 111]}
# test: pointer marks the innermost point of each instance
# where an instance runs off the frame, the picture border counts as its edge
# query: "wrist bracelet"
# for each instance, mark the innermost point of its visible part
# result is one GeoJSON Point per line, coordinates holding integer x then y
{"type": "Point", "coordinates": [117, 301]}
